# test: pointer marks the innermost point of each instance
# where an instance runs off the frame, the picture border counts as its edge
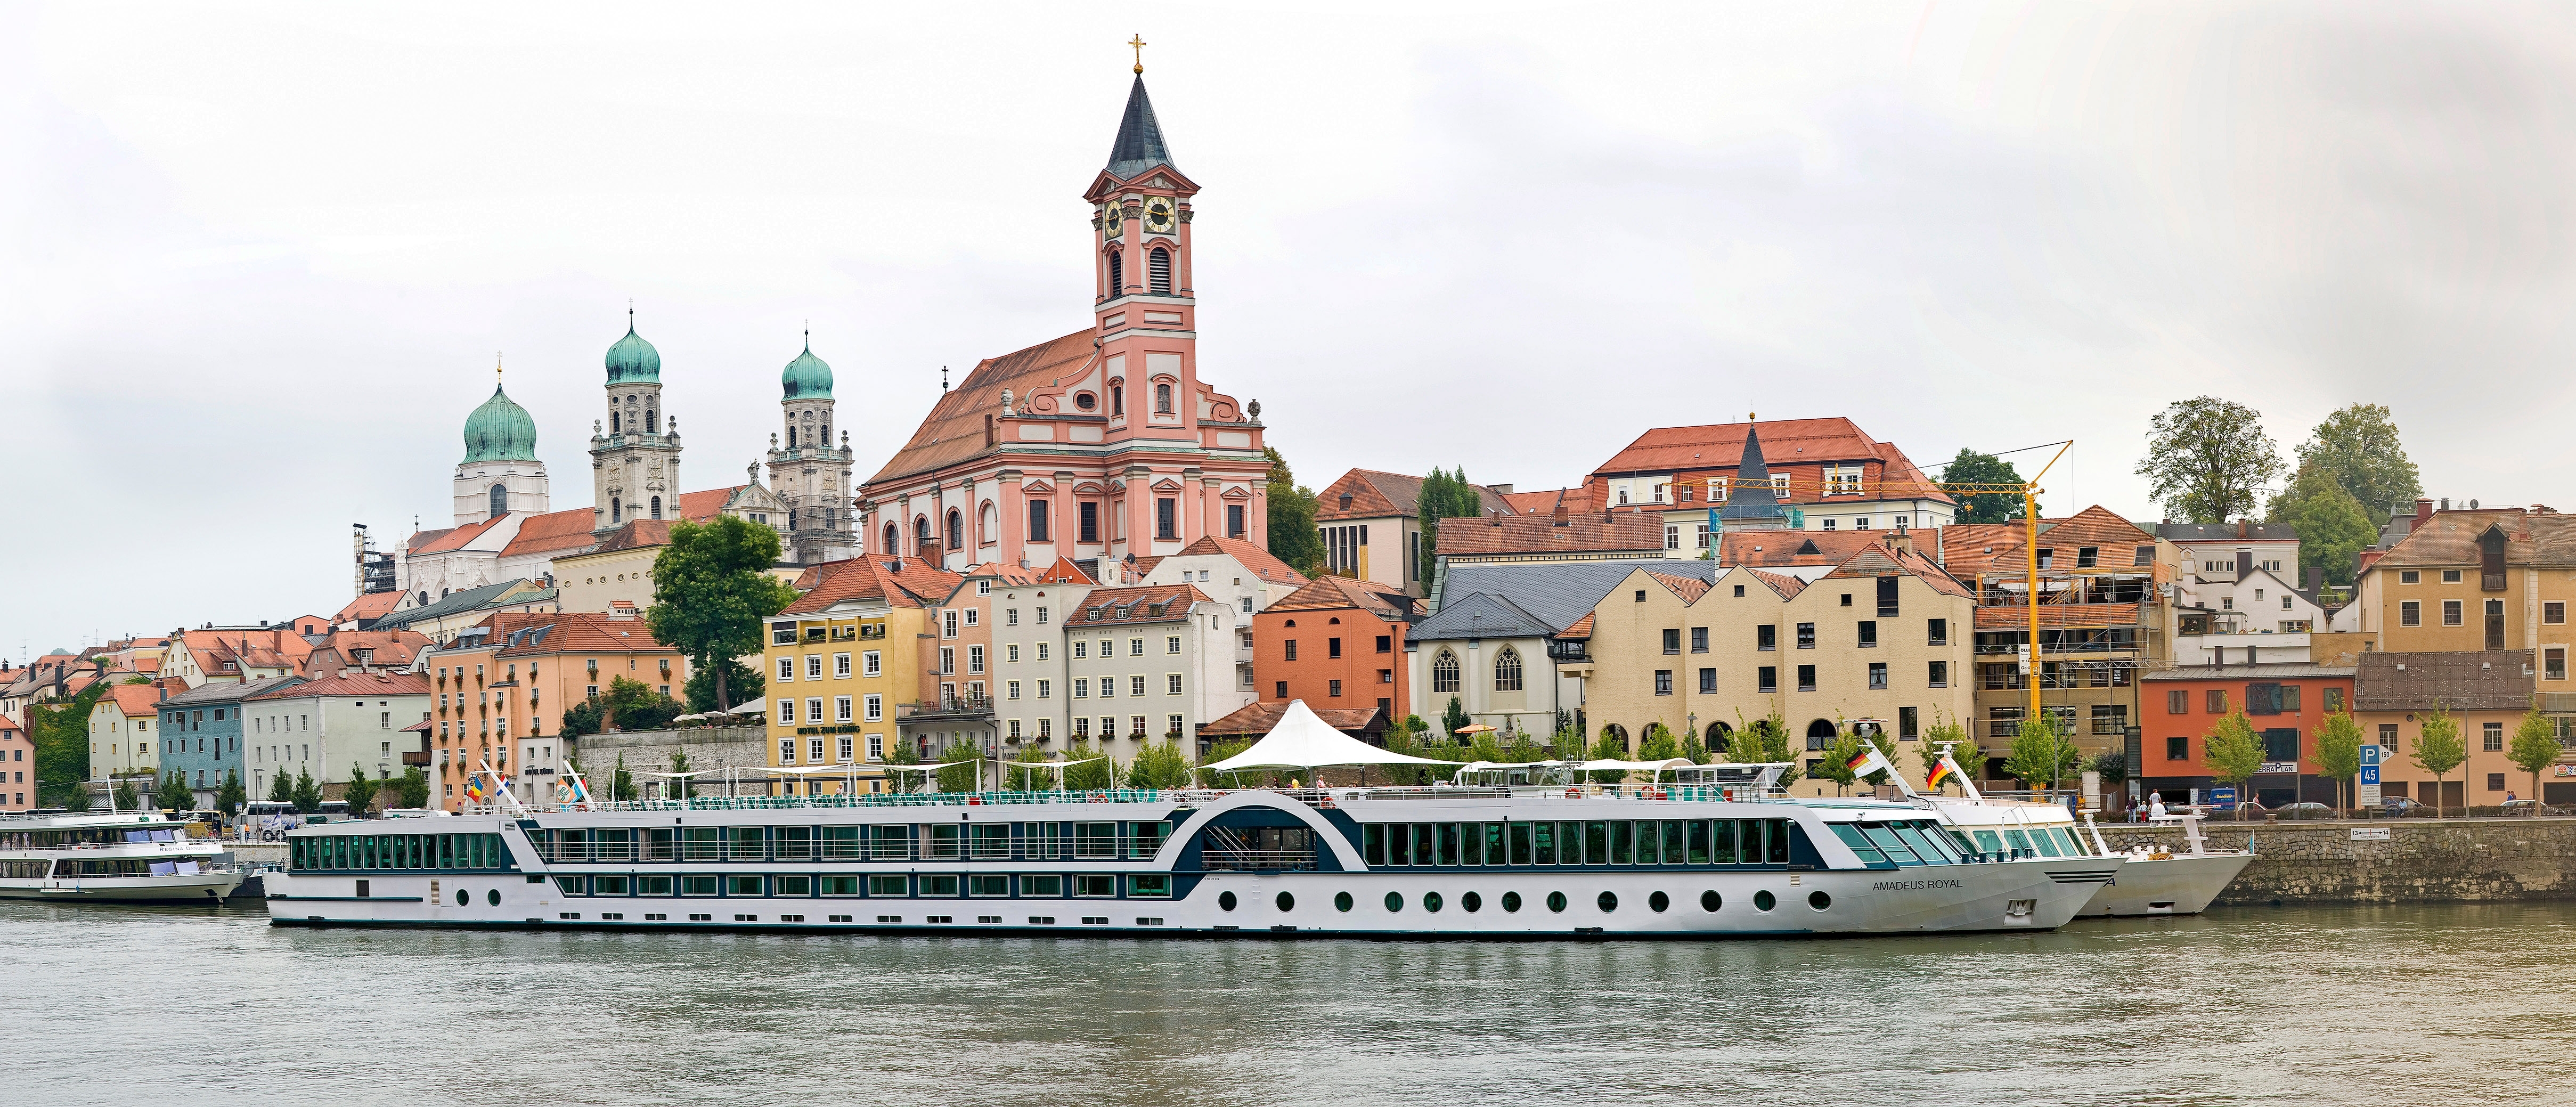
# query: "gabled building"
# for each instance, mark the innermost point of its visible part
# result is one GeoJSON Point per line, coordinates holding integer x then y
{"type": "Point", "coordinates": [17, 759]}
{"type": "Point", "coordinates": [331, 727]}
{"type": "Point", "coordinates": [1828, 472]}
{"type": "Point", "coordinates": [1106, 443]}
{"type": "Point", "coordinates": [1150, 664]}
{"type": "Point", "coordinates": [2486, 693]}
{"type": "Point", "coordinates": [1338, 644]}
{"type": "Point", "coordinates": [1371, 524]}
{"type": "Point", "coordinates": [851, 657]}
{"type": "Point", "coordinates": [498, 691]}
{"type": "Point", "coordinates": [122, 734]}
{"type": "Point", "coordinates": [201, 733]}
{"type": "Point", "coordinates": [1228, 569]}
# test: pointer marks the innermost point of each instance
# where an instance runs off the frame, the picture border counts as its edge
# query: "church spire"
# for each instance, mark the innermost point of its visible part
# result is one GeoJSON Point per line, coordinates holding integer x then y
{"type": "Point", "coordinates": [1751, 504]}
{"type": "Point", "coordinates": [1139, 146]}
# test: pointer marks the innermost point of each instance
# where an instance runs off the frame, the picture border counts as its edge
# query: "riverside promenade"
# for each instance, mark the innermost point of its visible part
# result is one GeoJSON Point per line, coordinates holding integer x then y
{"type": "Point", "coordinates": [2386, 860]}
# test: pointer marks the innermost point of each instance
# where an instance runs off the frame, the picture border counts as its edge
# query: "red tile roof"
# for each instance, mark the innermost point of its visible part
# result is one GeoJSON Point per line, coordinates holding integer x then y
{"type": "Point", "coordinates": [1784, 442]}
{"type": "Point", "coordinates": [701, 507]}
{"type": "Point", "coordinates": [954, 429]}
{"type": "Point", "coordinates": [572, 632]}
{"type": "Point", "coordinates": [1376, 494]}
{"type": "Point", "coordinates": [875, 578]}
{"type": "Point", "coordinates": [1879, 560]}
{"type": "Point", "coordinates": [1527, 534]}
{"type": "Point", "coordinates": [373, 605]}
{"type": "Point", "coordinates": [1257, 720]}
{"type": "Point", "coordinates": [378, 683]}
{"type": "Point", "coordinates": [551, 533]}
{"type": "Point", "coordinates": [1581, 628]}
{"type": "Point", "coordinates": [1690, 589]}
{"type": "Point", "coordinates": [1542, 502]}
{"type": "Point", "coordinates": [2451, 538]}
{"type": "Point", "coordinates": [1783, 584]}
{"type": "Point", "coordinates": [1964, 547]}
{"type": "Point", "coordinates": [137, 701]}
{"type": "Point", "coordinates": [1103, 607]}
{"type": "Point", "coordinates": [1794, 547]}
{"type": "Point", "coordinates": [1260, 562]}
{"type": "Point", "coordinates": [1388, 602]}
{"type": "Point", "coordinates": [393, 649]}
{"type": "Point", "coordinates": [456, 538]}
{"type": "Point", "coordinates": [640, 533]}
{"type": "Point", "coordinates": [1064, 571]}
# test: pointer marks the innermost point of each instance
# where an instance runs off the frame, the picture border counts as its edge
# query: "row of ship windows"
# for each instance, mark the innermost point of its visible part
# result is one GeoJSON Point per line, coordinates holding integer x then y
{"type": "Point", "coordinates": [398, 851]}
{"type": "Point", "coordinates": [880, 886]}
{"type": "Point", "coordinates": [1606, 842]}
{"type": "Point", "coordinates": [1472, 902]}
{"type": "Point", "coordinates": [875, 842]}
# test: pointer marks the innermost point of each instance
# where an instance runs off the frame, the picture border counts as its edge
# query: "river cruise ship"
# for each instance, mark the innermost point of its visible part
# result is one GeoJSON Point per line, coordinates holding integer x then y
{"type": "Point", "coordinates": [1527, 859]}
{"type": "Point", "coordinates": [125, 857]}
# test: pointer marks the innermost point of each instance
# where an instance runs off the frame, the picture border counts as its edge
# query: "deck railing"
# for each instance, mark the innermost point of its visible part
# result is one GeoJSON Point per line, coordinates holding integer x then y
{"type": "Point", "coordinates": [1319, 797]}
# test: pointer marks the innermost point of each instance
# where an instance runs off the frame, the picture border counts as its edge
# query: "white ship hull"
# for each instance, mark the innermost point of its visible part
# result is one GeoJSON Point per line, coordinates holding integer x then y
{"type": "Point", "coordinates": [207, 887]}
{"type": "Point", "coordinates": [2183, 884]}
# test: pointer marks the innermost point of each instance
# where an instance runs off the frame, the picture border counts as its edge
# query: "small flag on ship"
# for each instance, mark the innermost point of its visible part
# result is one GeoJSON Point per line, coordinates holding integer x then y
{"type": "Point", "coordinates": [1859, 759]}
{"type": "Point", "coordinates": [1940, 772]}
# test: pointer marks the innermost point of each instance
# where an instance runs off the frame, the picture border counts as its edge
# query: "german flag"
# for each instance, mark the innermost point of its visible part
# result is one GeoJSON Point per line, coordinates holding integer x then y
{"type": "Point", "coordinates": [1859, 759]}
{"type": "Point", "coordinates": [1940, 772]}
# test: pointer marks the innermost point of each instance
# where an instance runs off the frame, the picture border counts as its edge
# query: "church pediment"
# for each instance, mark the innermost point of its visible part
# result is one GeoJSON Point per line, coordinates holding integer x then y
{"type": "Point", "coordinates": [1236, 493]}
{"type": "Point", "coordinates": [1088, 488]}
{"type": "Point", "coordinates": [1037, 488]}
{"type": "Point", "coordinates": [1167, 484]}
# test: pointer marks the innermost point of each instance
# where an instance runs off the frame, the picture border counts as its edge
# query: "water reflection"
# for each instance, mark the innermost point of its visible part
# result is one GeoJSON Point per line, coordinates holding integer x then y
{"type": "Point", "coordinates": [2325, 1005]}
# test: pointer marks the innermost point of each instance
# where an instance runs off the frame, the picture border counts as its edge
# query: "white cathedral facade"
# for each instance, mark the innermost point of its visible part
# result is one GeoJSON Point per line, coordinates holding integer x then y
{"type": "Point", "coordinates": [506, 528]}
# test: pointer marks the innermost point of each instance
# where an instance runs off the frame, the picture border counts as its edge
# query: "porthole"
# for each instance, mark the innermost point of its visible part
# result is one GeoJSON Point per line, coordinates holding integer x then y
{"type": "Point", "coordinates": [1286, 901]}
{"type": "Point", "coordinates": [1225, 901]}
{"type": "Point", "coordinates": [1556, 901]}
{"type": "Point", "coordinates": [493, 897]}
{"type": "Point", "coordinates": [1341, 901]}
{"type": "Point", "coordinates": [1511, 901]}
{"type": "Point", "coordinates": [1658, 901]}
{"type": "Point", "coordinates": [1395, 901]}
{"type": "Point", "coordinates": [463, 897]}
{"type": "Point", "coordinates": [1472, 902]}
{"type": "Point", "coordinates": [1609, 901]}
{"type": "Point", "coordinates": [1711, 901]}
{"type": "Point", "coordinates": [1764, 901]}
{"type": "Point", "coordinates": [1430, 901]}
{"type": "Point", "coordinates": [1819, 900]}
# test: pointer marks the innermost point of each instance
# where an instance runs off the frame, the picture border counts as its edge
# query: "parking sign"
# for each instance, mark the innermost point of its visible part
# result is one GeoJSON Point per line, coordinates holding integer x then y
{"type": "Point", "coordinates": [2370, 774]}
{"type": "Point", "coordinates": [2370, 756]}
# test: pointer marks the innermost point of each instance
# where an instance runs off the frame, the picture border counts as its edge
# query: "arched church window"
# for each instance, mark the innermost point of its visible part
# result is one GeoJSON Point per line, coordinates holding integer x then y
{"type": "Point", "coordinates": [1507, 671]}
{"type": "Point", "coordinates": [1117, 276]}
{"type": "Point", "coordinates": [891, 546]}
{"type": "Point", "coordinates": [831, 518]}
{"type": "Point", "coordinates": [956, 529]}
{"type": "Point", "coordinates": [921, 541]}
{"type": "Point", "coordinates": [1158, 271]}
{"type": "Point", "coordinates": [616, 511]}
{"type": "Point", "coordinates": [613, 428]}
{"type": "Point", "coordinates": [500, 498]}
{"type": "Point", "coordinates": [424, 597]}
{"type": "Point", "coordinates": [791, 436]}
{"type": "Point", "coordinates": [992, 523]}
{"type": "Point", "coordinates": [1444, 672]}
{"type": "Point", "coordinates": [1162, 399]}
{"type": "Point", "coordinates": [1117, 399]}
{"type": "Point", "coordinates": [657, 507]}
{"type": "Point", "coordinates": [651, 424]}
{"type": "Point", "coordinates": [791, 519]}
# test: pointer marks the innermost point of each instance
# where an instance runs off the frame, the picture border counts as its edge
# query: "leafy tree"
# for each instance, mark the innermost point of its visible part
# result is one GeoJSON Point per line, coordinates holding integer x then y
{"type": "Point", "coordinates": [712, 589]}
{"type": "Point", "coordinates": [308, 792]}
{"type": "Point", "coordinates": [965, 773]}
{"type": "Point", "coordinates": [60, 734]}
{"type": "Point", "coordinates": [1291, 520]}
{"type": "Point", "coordinates": [2041, 754]}
{"type": "Point", "coordinates": [634, 705]}
{"type": "Point", "coordinates": [2439, 749]}
{"type": "Point", "coordinates": [360, 792]}
{"type": "Point", "coordinates": [125, 796]}
{"type": "Point", "coordinates": [76, 796]}
{"type": "Point", "coordinates": [2235, 752]}
{"type": "Point", "coordinates": [1160, 765]}
{"type": "Point", "coordinates": [1658, 744]}
{"type": "Point", "coordinates": [411, 790]}
{"type": "Point", "coordinates": [901, 753]}
{"type": "Point", "coordinates": [1963, 746]}
{"type": "Point", "coordinates": [582, 719]}
{"type": "Point", "coordinates": [231, 798]}
{"type": "Point", "coordinates": [282, 790]}
{"type": "Point", "coordinates": [1222, 750]}
{"type": "Point", "coordinates": [1765, 741]}
{"type": "Point", "coordinates": [1608, 748]}
{"type": "Point", "coordinates": [171, 792]}
{"type": "Point", "coordinates": [1694, 750]}
{"type": "Point", "coordinates": [2534, 747]}
{"type": "Point", "coordinates": [742, 682]}
{"type": "Point", "coordinates": [2332, 526]}
{"type": "Point", "coordinates": [2206, 457]}
{"type": "Point", "coordinates": [1836, 765]}
{"type": "Point", "coordinates": [2339, 752]}
{"type": "Point", "coordinates": [2112, 766]}
{"type": "Point", "coordinates": [1453, 718]}
{"type": "Point", "coordinates": [1409, 743]}
{"type": "Point", "coordinates": [2357, 446]}
{"type": "Point", "coordinates": [1971, 467]}
{"type": "Point", "coordinates": [1093, 775]}
{"type": "Point", "coordinates": [1027, 780]}
{"type": "Point", "coordinates": [1445, 496]}
{"type": "Point", "coordinates": [621, 784]}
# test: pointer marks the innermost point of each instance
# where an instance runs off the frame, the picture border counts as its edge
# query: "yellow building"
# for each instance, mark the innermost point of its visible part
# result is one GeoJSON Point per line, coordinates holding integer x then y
{"type": "Point", "coordinates": [848, 659]}
{"type": "Point", "coordinates": [121, 740]}
{"type": "Point", "coordinates": [1882, 639]}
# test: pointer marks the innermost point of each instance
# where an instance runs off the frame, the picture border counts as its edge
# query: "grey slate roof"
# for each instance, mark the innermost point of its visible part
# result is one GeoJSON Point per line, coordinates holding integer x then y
{"type": "Point", "coordinates": [2225, 532]}
{"type": "Point", "coordinates": [454, 603]}
{"type": "Point", "coordinates": [2468, 680]}
{"type": "Point", "coordinates": [1480, 616]}
{"type": "Point", "coordinates": [1139, 145]}
{"type": "Point", "coordinates": [226, 692]}
{"type": "Point", "coordinates": [1750, 496]}
{"type": "Point", "coordinates": [1558, 595]}
{"type": "Point", "coordinates": [2257, 672]}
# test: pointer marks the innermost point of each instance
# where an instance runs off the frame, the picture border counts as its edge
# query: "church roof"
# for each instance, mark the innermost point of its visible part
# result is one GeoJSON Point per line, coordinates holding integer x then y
{"type": "Point", "coordinates": [1139, 145]}
{"type": "Point", "coordinates": [703, 507]}
{"type": "Point", "coordinates": [632, 358]}
{"type": "Point", "coordinates": [954, 429]}
{"type": "Point", "coordinates": [806, 377]}
{"type": "Point", "coordinates": [500, 430]}
{"type": "Point", "coordinates": [553, 532]}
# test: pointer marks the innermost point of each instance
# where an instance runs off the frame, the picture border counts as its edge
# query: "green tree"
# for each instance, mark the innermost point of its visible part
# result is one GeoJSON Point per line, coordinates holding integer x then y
{"type": "Point", "coordinates": [282, 789]}
{"type": "Point", "coordinates": [582, 719]}
{"type": "Point", "coordinates": [2042, 753]}
{"type": "Point", "coordinates": [621, 784]}
{"type": "Point", "coordinates": [1453, 718]}
{"type": "Point", "coordinates": [965, 771]}
{"type": "Point", "coordinates": [127, 799]}
{"type": "Point", "coordinates": [170, 792]}
{"type": "Point", "coordinates": [1444, 496]}
{"type": "Point", "coordinates": [1765, 741]}
{"type": "Point", "coordinates": [1693, 749]}
{"type": "Point", "coordinates": [1952, 734]}
{"type": "Point", "coordinates": [2339, 753]}
{"type": "Point", "coordinates": [2234, 751]}
{"type": "Point", "coordinates": [742, 682]}
{"type": "Point", "coordinates": [2206, 458]}
{"type": "Point", "coordinates": [1658, 744]}
{"type": "Point", "coordinates": [1971, 467]}
{"type": "Point", "coordinates": [1097, 772]}
{"type": "Point", "coordinates": [1291, 520]}
{"type": "Point", "coordinates": [232, 797]}
{"type": "Point", "coordinates": [2534, 747]}
{"type": "Point", "coordinates": [712, 589]}
{"type": "Point", "coordinates": [308, 792]}
{"type": "Point", "coordinates": [1836, 764]}
{"type": "Point", "coordinates": [2357, 446]}
{"type": "Point", "coordinates": [1222, 750]}
{"type": "Point", "coordinates": [901, 753]}
{"type": "Point", "coordinates": [2439, 749]}
{"type": "Point", "coordinates": [1160, 765]}
{"type": "Point", "coordinates": [76, 796]}
{"type": "Point", "coordinates": [634, 705]}
{"type": "Point", "coordinates": [411, 790]}
{"type": "Point", "coordinates": [360, 793]}
{"type": "Point", "coordinates": [1609, 748]}
{"type": "Point", "coordinates": [2332, 526]}
{"type": "Point", "coordinates": [1027, 780]}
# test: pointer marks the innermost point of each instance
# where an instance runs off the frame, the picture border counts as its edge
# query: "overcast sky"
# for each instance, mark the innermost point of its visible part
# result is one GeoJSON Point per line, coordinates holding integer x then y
{"type": "Point", "coordinates": [256, 261]}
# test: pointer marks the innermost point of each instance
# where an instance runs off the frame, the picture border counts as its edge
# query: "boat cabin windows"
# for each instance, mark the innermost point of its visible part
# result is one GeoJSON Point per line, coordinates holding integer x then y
{"type": "Point", "coordinates": [1904, 843]}
{"type": "Point", "coordinates": [1624, 842]}
{"type": "Point", "coordinates": [398, 851]}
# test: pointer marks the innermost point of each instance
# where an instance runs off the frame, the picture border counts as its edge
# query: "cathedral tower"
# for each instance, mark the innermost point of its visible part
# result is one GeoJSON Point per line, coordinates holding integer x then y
{"type": "Point", "coordinates": [500, 473]}
{"type": "Point", "coordinates": [810, 473]}
{"type": "Point", "coordinates": [635, 461]}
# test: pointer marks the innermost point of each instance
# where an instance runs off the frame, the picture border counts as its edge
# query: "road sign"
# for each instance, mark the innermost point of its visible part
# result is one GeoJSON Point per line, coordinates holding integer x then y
{"type": "Point", "coordinates": [2370, 774]}
{"type": "Point", "coordinates": [2370, 834]}
{"type": "Point", "coordinates": [2223, 798]}
{"type": "Point", "coordinates": [2370, 755]}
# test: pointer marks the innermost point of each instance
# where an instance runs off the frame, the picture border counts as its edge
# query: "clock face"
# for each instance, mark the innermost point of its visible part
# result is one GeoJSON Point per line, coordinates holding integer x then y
{"type": "Point", "coordinates": [1158, 214]}
{"type": "Point", "coordinates": [1116, 217]}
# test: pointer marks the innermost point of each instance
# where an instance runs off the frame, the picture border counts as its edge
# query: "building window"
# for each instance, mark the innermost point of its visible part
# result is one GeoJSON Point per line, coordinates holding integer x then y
{"type": "Point", "coordinates": [1672, 640]}
{"type": "Point", "coordinates": [2491, 737]}
{"type": "Point", "coordinates": [2410, 613]}
{"type": "Point", "coordinates": [1444, 671]}
{"type": "Point", "coordinates": [1766, 679]}
{"type": "Point", "coordinates": [1673, 537]}
{"type": "Point", "coordinates": [787, 668]}
{"type": "Point", "coordinates": [2451, 613]}
{"type": "Point", "coordinates": [1806, 678]}
{"type": "Point", "coordinates": [1878, 674]}
{"type": "Point", "coordinates": [876, 712]}
{"type": "Point", "coordinates": [840, 709]}
{"type": "Point", "coordinates": [1806, 636]}
{"type": "Point", "coordinates": [500, 497]}
{"type": "Point", "coordinates": [1167, 517]}
{"type": "Point", "coordinates": [2450, 576]}
{"type": "Point", "coordinates": [2215, 701]}
{"type": "Point", "coordinates": [1663, 682]}
{"type": "Point", "coordinates": [1158, 274]}
{"type": "Point", "coordinates": [813, 666]}
{"type": "Point", "coordinates": [1868, 635]}
{"type": "Point", "coordinates": [1699, 639]}
{"type": "Point", "coordinates": [1334, 689]}
{"type": "Point", "coordinates": [1707, 682]}
{"type": "Point", "coordinates": [1766, 638]}
{"type": "Point", "coordinates": [1162, 399]}
{"type": "Point", "coordinates": [2553, 663]}
{"type": "Point", "coordinates": [1939, 674]}
{"type": "Point", "coordinates": [2177, 748]}
{"type": "Point", "coordinates": [1507, 671]}
{"type": "Point", "coordinates": [1937, 632]}
{"type": "Point", "coordinates": [1090, 515]}
{"type": "Point", "coordinates": [2553, 612]}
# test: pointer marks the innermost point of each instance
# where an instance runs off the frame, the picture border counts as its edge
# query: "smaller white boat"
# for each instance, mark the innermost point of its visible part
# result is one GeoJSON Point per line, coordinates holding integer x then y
{"type": "Point", "coordinates": [118, 856]}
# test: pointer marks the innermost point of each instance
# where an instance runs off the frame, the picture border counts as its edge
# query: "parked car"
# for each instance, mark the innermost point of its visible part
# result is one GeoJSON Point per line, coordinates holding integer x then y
{"type": "Point", "coordinates": [2400, 805]}
{"type": "Point", "coordinates": [2310, 810]}
{"type": "Point", "coordinates": [2528, 807]}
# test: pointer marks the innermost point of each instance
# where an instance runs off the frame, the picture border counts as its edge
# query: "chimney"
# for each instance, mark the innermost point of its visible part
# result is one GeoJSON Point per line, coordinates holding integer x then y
{"type": "Point", "coordinates": [1559, 513]}
{"type": "Point", "coordinates": [2243, 527]}
{"type": "Point", "coordinates": [2423, 510]}
{"type": "Point", "coordinates": [1497, 519]}
{"type": "Point", "coordinates": [2446, 503]}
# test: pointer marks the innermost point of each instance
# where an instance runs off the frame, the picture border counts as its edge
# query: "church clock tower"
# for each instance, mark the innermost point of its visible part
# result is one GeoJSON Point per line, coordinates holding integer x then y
{"type": "Point", "coordinates": [635, 452]}
{"type": "Point", "coordinates": [807, 470]}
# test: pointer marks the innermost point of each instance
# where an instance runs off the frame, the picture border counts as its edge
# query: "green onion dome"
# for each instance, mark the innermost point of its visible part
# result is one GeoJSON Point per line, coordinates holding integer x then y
{"type": "Point", "coordinates": [633, 359]}
{"type": "Point", "coordinates": [500, 430]}
{"type": "Point", "coordinates": [807, 377]}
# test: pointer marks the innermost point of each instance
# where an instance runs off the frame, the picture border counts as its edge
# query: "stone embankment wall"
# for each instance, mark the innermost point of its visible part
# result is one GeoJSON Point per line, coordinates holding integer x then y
{"type": "Point", "coordinates": [2427, 860]}
{"type": "Point", "coordinates": [708, 747]}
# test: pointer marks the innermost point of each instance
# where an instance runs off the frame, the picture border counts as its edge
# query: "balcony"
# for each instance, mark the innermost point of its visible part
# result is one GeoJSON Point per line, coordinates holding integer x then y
{"type": "Point", "coordinates": [416, 758]}
{"type": "Point", "coordinates": [953, 708]}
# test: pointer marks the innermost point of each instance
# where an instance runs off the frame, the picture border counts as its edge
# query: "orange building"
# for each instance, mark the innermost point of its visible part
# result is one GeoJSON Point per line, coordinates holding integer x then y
{"type": "Point", "coordinates": [2284, 702]}
{"type": "Point", "coordinates": [498, 694]}
{"type": "Point", "coordinates": [1336, 643]}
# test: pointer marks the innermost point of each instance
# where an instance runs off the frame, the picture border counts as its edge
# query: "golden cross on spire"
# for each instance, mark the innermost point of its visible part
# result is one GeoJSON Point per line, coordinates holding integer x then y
{"type": "Point", "coordinates": [1139, 43]}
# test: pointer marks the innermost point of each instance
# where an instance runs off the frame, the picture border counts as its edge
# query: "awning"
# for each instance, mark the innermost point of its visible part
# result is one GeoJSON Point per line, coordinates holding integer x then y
{"type": "Point", "coordinates": [1301, 741]}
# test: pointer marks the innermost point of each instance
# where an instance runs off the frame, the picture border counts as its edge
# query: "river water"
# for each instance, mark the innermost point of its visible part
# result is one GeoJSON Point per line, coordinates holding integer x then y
{"type": "Point", "coordinates": [2459, 1004]}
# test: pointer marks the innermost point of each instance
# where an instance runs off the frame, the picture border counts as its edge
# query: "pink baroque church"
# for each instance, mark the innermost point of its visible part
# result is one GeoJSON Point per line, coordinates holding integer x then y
{"type": "Point", "coordinates": [1103, 444]}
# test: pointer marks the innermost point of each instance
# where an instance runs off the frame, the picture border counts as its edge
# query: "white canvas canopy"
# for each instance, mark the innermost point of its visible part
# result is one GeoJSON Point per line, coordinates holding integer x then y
{"type": "Point", "coordinates": [1655, 767]}
{"type": "Point", "coordinates": [1302, 741]}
